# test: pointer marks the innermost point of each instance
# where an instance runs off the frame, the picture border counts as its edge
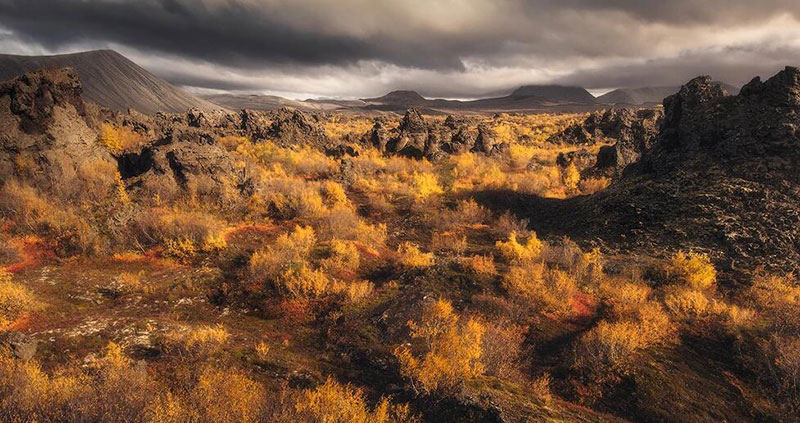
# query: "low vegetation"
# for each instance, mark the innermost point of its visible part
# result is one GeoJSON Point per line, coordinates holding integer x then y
{"type": "Point", "coordinates": [369, 288]}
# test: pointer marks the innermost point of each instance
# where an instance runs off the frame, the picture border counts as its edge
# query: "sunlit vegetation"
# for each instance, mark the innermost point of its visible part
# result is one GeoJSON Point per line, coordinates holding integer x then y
{"type": "Point", "coordinates": [446, 349]}
{"type": "Point", "coordinates": [309, 288]}
{"type": "Point", "coordinates": [119, 138]}
{"type": "Point", "coordinates": [15, 300]}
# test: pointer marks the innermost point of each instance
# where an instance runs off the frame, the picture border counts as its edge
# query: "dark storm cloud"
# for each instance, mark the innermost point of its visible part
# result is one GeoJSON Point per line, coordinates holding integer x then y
{"type": "Point", "coordinates": [224, 32]}
{"type": "Point", "coordinates": [442, 47]}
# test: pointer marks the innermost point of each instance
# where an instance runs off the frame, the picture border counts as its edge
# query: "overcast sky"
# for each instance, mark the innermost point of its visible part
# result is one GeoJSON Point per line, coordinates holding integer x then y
{"type": "Point", "coordinates": [441, 48]}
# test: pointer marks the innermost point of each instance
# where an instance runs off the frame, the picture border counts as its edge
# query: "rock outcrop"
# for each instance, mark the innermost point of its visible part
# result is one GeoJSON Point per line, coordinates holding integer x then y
{"type": "Point", "coordinates": [46, 129]}
{"type": "Point", "coordinates": [633, 132]}
{"type": "Point", "coordinates": [721, 176]}
{"type": "Point", "coordinates": [415, 137]}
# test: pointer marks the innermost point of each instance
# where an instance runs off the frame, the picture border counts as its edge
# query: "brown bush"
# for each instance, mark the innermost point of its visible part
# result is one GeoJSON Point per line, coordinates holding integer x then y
{"type": "Point", "coordinates": [15, 300]}
{"type": "Point", "coordinates": [502, 349]}
{"type": "Point", "coordinates": [59, 223]}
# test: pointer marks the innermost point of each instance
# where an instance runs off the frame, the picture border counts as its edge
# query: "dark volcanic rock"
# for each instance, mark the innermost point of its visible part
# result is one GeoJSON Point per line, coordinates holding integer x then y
{"type": "Point", "coordinates": [632, 130]}
{"type": "Point", "coordinates": [45, 123]}
{"type": "Point", "coordinates": [721, 176]}
{"type": "Point", "coordinates": [581, 158]}
{"type": "Point", "coordinates": [412, 135]}
{"type": "Point", "coordinates": [293, 127]}
{"type": "Point", "coordinates": [415, 137]}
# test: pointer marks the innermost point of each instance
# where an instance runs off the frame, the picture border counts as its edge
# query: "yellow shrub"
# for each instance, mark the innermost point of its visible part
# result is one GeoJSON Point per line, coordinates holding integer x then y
{"type": "Point", "coordinates": [693, 269]}
{"type": "Point", "coordinates": [343, 258]}
{"type": "Point", "coordinates": [227, 396]}
{"type": "Point", "coordinates": [15, 300]}
{"type": "Point", "coordinates": [625, 297]}
{"type": "Point", "coordinates": [448, 350]}
{"type": "Point", "coordinates": [334, 194]}
{"type": "Point", "coordinates": [482, 265]}
{"type": "Point", "coordinates": [32, 213]}
{"type": "Point", "coordinates": [540, 388]}
{"type": "Point", "coordinates": [27, 393]}
{"type": "Point", "coordinates": [424, 185]}
{"type": "Point", "coordinates": [571, 177]}
{"type": "Point", "coordinates": [732, 316]}
{"type": "Point", "coordinates": [449, 241]}
{"type": "Point", "coordinates": [302, 282]}
{"type": "Point", "coordinates": [550, 289]}
{"type": "Point", "coordinates": [410, 255]}
{"type": "Point", "coordinates": [687, 303]}
{"type": "Point", "coordinates": [205, 340]}
{"type": "Point", "coordinates": [289, 250]}
{"type": "Point", "coordinates": [118, 138]}
{"type": "Point", "coordinates": [290, 198]}
{"type": "Point", "coordinates": [613, 344]}
{"type": "Point", "coordinates": [262, 350]}
{"type": "Point", "coordinates": [332, 402]}
{"type": "Point", "coordinates": [502, 349]}
{"type": "Point", "coordinates": [515, 252]}
{"type": "Point", "coordinates": [302, 161]}
{"type": "Point", "coordinates": [354, 291]}
{"type": "Point", "coordinates": [343, 223]}
{"type": "Point", "coordinates": [182, 249]}
{"type": "Point", "coordinates": [593, 185]}
{"type": "Point", "coordinates": [777, 297]}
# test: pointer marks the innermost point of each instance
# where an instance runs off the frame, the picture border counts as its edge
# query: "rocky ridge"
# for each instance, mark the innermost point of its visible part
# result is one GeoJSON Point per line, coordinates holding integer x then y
{"type": "Point", "coordinates": [415, 137]}
{"type": "Point", "coordinates": [721, 177]}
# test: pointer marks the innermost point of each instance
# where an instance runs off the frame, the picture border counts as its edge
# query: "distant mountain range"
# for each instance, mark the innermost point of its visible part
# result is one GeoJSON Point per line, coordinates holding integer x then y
{"type": "Point", "coordinates": [526, 98]}
{"type": "Point", "coordinates": [111, 80]}
{"type": "Point", "coordinates": [649, 95]}
{"type": "Point", "coordinates": [559, 93]}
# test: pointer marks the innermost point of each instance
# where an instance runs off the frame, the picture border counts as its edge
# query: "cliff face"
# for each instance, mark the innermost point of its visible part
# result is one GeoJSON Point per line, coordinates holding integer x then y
{"type": "Point", "coordinates": [45, 126]}
{"type": "Point", "coordinates": [753, 135]}
{"type": "Point", "coordinates": [721, 176]}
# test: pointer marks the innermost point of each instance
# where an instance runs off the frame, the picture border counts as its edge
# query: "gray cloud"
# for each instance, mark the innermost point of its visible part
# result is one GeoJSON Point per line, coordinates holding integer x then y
{"type": "Point", "coordinates": [452, 48]}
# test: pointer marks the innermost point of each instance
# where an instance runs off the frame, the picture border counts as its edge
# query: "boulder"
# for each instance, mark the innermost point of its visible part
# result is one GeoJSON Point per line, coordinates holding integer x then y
{"type": "Point", "coordinates": [18, 345]}
{"type": "Point", "coordinates": [45, 124]}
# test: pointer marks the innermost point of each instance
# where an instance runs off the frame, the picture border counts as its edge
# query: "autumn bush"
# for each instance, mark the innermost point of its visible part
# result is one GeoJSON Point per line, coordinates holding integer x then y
{"type": "Point", "coordinates": [777, 299]}
{"type": "Point", "coordinates": [502, 349]}
{"type": "Point", "coordinates": [225, 396]}
{"type": "Point", "coordinates": [334, 402]}
{"type": "Point", "coordinates": [343, 258]}
{"type": "Point", "coordinates": [62, 224]}
{"type": "Point", "coordinates": [295, 161]}
{"type": "Point", "coordinates": [445, 350]}
{"type": "Point", "coordinates": [613, 345]}
{"type": "Point", "coordinates": [118, 139]}
{"type": "Point", "coordinates": [520, 252]}
{"type": "Point", "coordinates": [109, 389]}
{"type": "Point", "coordinates": [205, 340]}
{"type": "Point", "coordinates": [290, 197]}
{"type": "Point", "coordinates": [481, 265]}
{"type": "Point", "coordinates": [15, 300]}
{"type": "Point", "coordinates": [345, 224]}
{"type": "Point", "coordinates": [409, 254]}
{"type": "Point", "coordinates": [692, 269]}
{"type": "Point", "coordinates": [548, 289]}
{"type": "Point", "coordinates": [450, 241]}
{"type": "Point", "coordinates": [465, 213]}
{"type": "Point", "coordinates": [284, 264]}
{"type": "Point", "coordinates": [181, 233]}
